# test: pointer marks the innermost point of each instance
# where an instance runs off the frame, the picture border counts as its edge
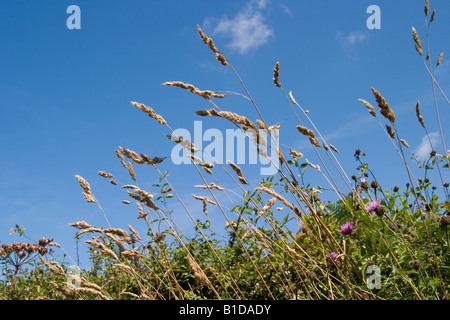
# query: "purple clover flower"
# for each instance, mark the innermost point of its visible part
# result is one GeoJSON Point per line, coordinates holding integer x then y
{"type": "Point", "coordinates": [347, 228]}
{"type": "Point", "coordinates": [372, 205]}
{"type": "Point", "coordinates": [333, 255]}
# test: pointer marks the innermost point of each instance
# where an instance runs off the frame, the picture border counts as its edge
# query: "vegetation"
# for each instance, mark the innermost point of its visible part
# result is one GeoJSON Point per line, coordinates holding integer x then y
{"type": "Point", "coordinates": [283, 241]}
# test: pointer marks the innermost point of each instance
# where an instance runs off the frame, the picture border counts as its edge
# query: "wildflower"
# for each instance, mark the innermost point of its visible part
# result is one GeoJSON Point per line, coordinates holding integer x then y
{"type": "Point", "coordinates": [380, 211]}
{"type": "Point", "coordinates": [416, 265]}
{"type": "Point", "coordinates": [444, 221]}
{"type": "Point", "coordinates": [372, 205]}
{"type": "Point", "coordinates": [347, 229]}
{"type": "Point", "coordinates": [333, 255]}
{"type": "Point", "coordinates": [374, 184]}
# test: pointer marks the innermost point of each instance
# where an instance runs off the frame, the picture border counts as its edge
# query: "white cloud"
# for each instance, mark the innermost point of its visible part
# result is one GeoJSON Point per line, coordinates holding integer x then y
{"type": "Point", "coordinates": [351, 38]}
{"type": "Point", "coordinates": [247, 30]}
{"type": "Point", "coordinates": [423, 150]}
{"type": "Point", "coordinates": [286, 9]}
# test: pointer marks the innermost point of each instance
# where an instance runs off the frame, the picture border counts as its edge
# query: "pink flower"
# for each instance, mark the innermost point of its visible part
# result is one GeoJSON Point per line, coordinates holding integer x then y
{"type": "Point", "coordinates": [347, 228]}
{"type": "Point", "coordinates": [372, 205]}
{"type": "Point", "coordinates": [333, 255]}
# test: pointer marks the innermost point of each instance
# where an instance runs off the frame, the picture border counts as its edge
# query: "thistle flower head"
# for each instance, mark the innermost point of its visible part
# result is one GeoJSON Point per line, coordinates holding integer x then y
{"type": "Point", "coordinates": [347, 228]}
{"type": "Point", "coordinates": [372, 205]}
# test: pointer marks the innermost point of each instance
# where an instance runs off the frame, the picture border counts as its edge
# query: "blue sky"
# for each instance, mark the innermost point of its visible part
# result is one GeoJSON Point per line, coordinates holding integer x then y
{"type": "Point", "coordinates": [65, 94]}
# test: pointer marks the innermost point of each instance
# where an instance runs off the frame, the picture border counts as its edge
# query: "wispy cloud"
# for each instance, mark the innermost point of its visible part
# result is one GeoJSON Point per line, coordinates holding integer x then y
{"type": "Point", "coordinates": [247, 30]}
{"type": "Point", "coordinates": [286, 9]}
{"type": "Point", "coordinates": [351, 38]}
{"type": "Point", "coordinates": [423, 150]}
{"type": "Point", "coordinates": [349, 41]}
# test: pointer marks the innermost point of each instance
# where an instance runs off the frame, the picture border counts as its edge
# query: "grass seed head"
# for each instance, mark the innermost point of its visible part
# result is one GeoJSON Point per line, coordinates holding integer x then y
{"type": "Point", "coordinates": [276, 74]}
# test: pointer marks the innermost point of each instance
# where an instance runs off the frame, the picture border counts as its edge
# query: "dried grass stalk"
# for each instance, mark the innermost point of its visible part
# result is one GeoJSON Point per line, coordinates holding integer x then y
{"type": "Point", "coordinates": [231, 116]}
{"type": "Point", "coordinates": [276, 195]}
{"type": "Point", "coordinates": [87, 189]}
{"type": "Point", "coordinates": [53, 267]}
{"type": "Point", "coordinates": [207, 94]}
{"type": "Point", "coordinates": [204, 198]}
{"type": "Point", "coordinates": [417, 41]}
{"type": "Point", "coordinates": [151, 161]}
{"type": "Point", "coordinates": [200, 162]}
{"type": "Point", "coordinates": [292, 98]}
{"type": "Point", "coordinates": [130, 154]}
{"type": "Point", "coordinates": [207, 40]}
{"type": "Point", "coordinates": [419, 115]}
{"type": "Point", "coordinates": [211, 185]}
{"type": "Point", "coordinates": [198, 272]}
{"type": "Point", "coordinates": [131, 254]}
{"type": "Point", "coordinates": [64, 290]}
{"type": "Point", "coordinates": [404, 143]}
{"type": "Point", "coordinates": [142, 215]}
{"type": "Point", "coordinates": [334, 148]}
{"type": "Point", "coordinates": [183, 142]}
{"type": "Point", "coordinates": [136, 234]}
{"type": "Point", "coordinates": [221, 59]}
{"type": "Point", "coordinates": [81, 225]}
{"type": "Point", "coordinates": [390, 132]}
{"type": "Point", "coordinates": [310, 134]}
{"type": "Point", "coordinates": [122, 158]}
{"type": "Point", "coordinates": [276, 74]}
{"type": "Point", "coordinates": [103, 249]}
{"type": "Point", "coordinates": [166, 190]}
{"type": "Point", "coordinates": [439, 61]}
{"type": "Point", "coordinates": [93, 291]}
{"type": "Point", "coordinates": [143, 197]}
{"type": "Point", "coordinates": [116, 231]}
{"type": "Point", "coordinates": [261, 125]}
{"type": "Point", "coordinates": [91, 229]}
{"type": "Point", "coordinates": [160, 237]}
{"type": "Point", "coordinates": [131, 171]}
{"type": "Point", "coordinates": [105, 174]}
{"type": "Point", "coordinates": [88, 284]}
{"type": "Point", "coordinates": [267, 207]}
{"type": "Point", "coordinates": [149, 111]}
{"type": "Point", "coordinates": [295, 153]}
{"type": "Point", "coordinates": [314, 166]}
{"type": "Point", "coordinates": [238, 172]}
{"type": "Point", "coordinates": [370, 107]}
{"type": "Point", "coordinates": [385, 110]}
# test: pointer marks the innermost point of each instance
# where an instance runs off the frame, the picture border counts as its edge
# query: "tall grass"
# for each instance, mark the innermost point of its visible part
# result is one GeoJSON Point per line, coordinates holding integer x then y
{"type": "Point", "coordinates": [372, 243]}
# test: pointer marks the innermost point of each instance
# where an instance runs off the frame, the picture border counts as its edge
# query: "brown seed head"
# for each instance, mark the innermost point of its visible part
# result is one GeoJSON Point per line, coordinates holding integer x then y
{"type": "Point", "coordinates": [238, 172]}
{"type": "Point", "coordinates": [441, 56]}
{"type": "Point", "coordinates": [207, 40]}
{"type": "Point", "coordinates": [385, 110]}
{"type": "Point", "coordinates": [404, 143]}
{"type": "Point", "coordinates": [276, 74]}
{"type": "Point", "coordinates": [370, 107]}
{"type": "Point", "coordinates": [149, 111]}
{"type": "Point", "coordinates": [419, 115]}
{"type": "Point", "coordinates": [390, 132]}
{"type": "Point", "coordinates": [433, 15]}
